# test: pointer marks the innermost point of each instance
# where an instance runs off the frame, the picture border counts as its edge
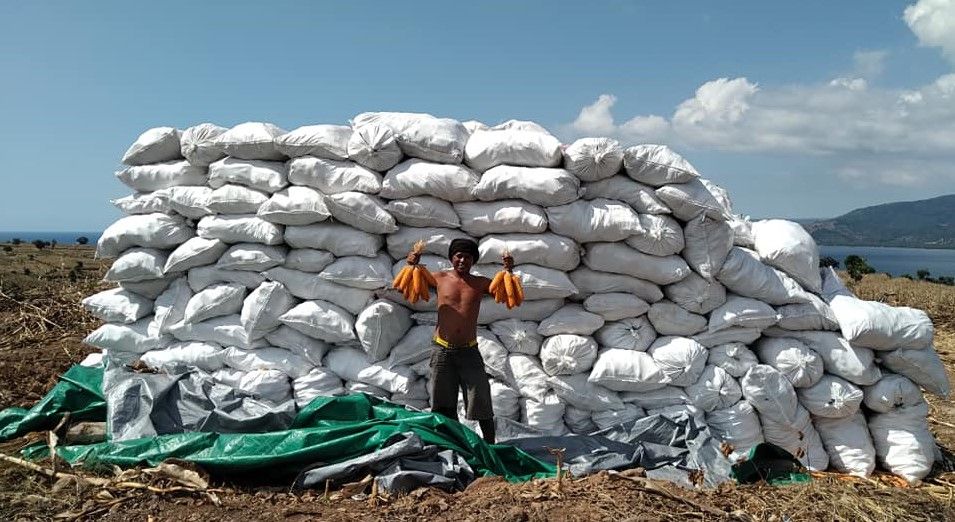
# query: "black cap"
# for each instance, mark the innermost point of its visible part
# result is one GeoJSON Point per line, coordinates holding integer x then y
{"type": "Point", "coordinates": [468, 246]}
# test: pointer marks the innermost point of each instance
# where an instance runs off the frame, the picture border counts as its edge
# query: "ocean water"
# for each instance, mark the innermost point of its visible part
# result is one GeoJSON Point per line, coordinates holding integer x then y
{"type": "Point", "coordinates": [897, 261]}
{"type": "Point", "coordinates": [63, 238]}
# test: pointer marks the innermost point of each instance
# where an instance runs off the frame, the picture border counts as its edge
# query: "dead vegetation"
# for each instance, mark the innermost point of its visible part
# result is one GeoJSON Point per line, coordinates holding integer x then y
{"type": "Point", "coordinates": [42, 325]}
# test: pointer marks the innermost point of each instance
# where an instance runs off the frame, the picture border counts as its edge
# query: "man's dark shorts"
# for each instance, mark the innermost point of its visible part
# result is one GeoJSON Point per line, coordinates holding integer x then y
{"type": "Point", "coordinates": [454, 369]}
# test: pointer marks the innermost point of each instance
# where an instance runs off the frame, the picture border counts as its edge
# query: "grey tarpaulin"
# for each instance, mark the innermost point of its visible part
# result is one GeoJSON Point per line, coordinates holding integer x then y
{"type": "Point", "coordinates": [668, 448]}
{"type": "Point", "coordinates": [404, 464]}
{"type": "Point", "coordinates": [182, 400]}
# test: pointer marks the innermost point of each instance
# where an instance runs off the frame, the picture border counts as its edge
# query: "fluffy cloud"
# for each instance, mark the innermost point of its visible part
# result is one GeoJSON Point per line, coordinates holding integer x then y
{"type": "Point", "coordinates": [933, 22]}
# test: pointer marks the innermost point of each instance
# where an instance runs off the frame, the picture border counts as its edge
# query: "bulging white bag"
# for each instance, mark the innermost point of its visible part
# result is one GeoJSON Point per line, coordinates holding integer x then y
{"type": "Point", "coordinates": [593, 159]}
{"type": "Point", "coordinates": [578, 421]}
{"type": "Point", "coordinates": [715, 389]}
{"type": "Point", "coordinates": [529, 377]}
{"type": "Point", "coordinates": [267, 176]}
{"type": "Point", "coordinates": [589, 282]}
{"type": "Point", "coordinates": [133, 337]}
{"type": "Point", "coordinates": [235, 199]}
{"type": "Point", "coordinates": [802, 366]}
{"type": "Point", "coordinates": [308, 348]}
{"type": "Point", "coordinates": [742, 311]}
{"type": "Point", "coordinates": [505, 400]}
{"type": "Point", "coordinates": [738, 426]}
{"type": "Point", "coordinates": [352, 364]}
{"type": "Point", "coordinates": [251, 141]}
{"type": "Point", "coordinates": [307, 286]}
{"type": "Point", "coordinates": [848, 443]}
{"type": "Point", "coordinates": [361, 211]}
{"type": "Point", "coordinates": [501, 217]}
{"type": "Point", "coordinates": [621, 259]}
{"type": "Point", "coordinates": [195, 252]}
{"type": "Point", "coordinates": [436, 240]}
{"type": "Point", "coordinates": [137, 264]}
{"type": "Point", "coordinates": [118, 306]}
{"type": "Point", "coordinates": [321, 320]}
{"type": "Point", "coordinates": [627, 334]}
{"type": "Point", "coordinates": [814, 315]}
{"type": "Point", "coordinates": [923, 367]}
{"type": "Point", "coordinates": [530, 148]}
{"type": "Point", "coordinates": [359, 272]}
{"type": "Point", "coordinates": [494, 355]}
{"type": "Point", "coordinates": [153, 146]}
{"type": "Point", "coordinates": [708, 242]}
{"type": "Point", "coordinates": [607, 418]}
{"type": "Point", "coordinates": [263, 307]}
{"type": "Point", "coordinates": [266, 358]}
{"type": "Point", "coordinates": [191, 202]}
{"type": "Point", "coordinates": [695, 294]}
{"type": "Point", "coordinates": [170, 306]}
{"type": "Point", "coordinates": [149, 178]}
{"type": "Point", "coordinates": [787, 246]}
{"type": "Point", "coordinates": [890, 392]}
{"type": "Point", "coordinates": [670, 319]}
{"type": "Point", "coordinates": [735, 358]}
{"type": "Point", "coordinates": [856, 365]}
{"type": "Point", "coordinates": [661, 236]}
{"type": "Point", "coordinates": [374, 146]}
{"type": "Point", "coordinates": [518, 336]}
{"type": "Point", "coordinates": [308, 260]}
{"type": "Point", "coordinates": [547, 249]}
{"type": "Point", "coordinates": [594, 220]}
{"type": "Point", "coordinates": [317, 383]}
{"type": "Point", "coordinates": [734, 334]}
{"type": "Point", "coordinates": [424, 211]}
{"type": "Point", "coordinates": [903, 443]}
{"type": "Point", "coordinates": [642, 198]}
{"type": "Point", "coordinates": [331, 176]}
{"type": "Point", "coordinates": [567, 354]}
{"type": "Point", "coordinates": [340, 240]}
{"type": "Point", "coordinates": [322, 141]}
{"type": "Point", "coordinates": [380, 327]}
{"type": "Point", "coordinates": [659, 398]}
{"type": "Point", "coordinates": [657, 165]}
{"type": "Point", "coordinates": [546, 415]}
{"type": "Point", "coordinates": [746, 275]}
{"type": "Point", "coordinates": [580, 393]}
{"type": "Point", "coordinates": [414, 347]}
{"type": "Point", "coordinates": [616, 306]}
{"type": "Point", "coordinates": [627, 370]}
{"type": "Point", "coordinates": [831, 397]}
{"type": "Point", "coordinates": [422, 135]}
{"type": "Point", "coordinates": [688, 200]}
{"type": "Point", "coordinates": [540, 186]}
{"type": "Point", "coordinates": [197, 144]}
{"type": "Point", "coordinates": [226, 330]}
{"type": "Point", "coordinates": [142, 203]}
{"type": "Point", "coordinates": [252, 257]}
{"type": "Point", "coordinates": [214, 301]}
{"type": "Point", "coordinates": [451, 183]}
{"type": "Point", "coordinates": [203, 276]}
{"type": "Point", "coordinates": [570, 319]}
{"type": "Point", "coordinates": [682, 360]}
{"type": "Point", "coordinates": [771, 393]}
{"type": "Point", "coordinates": [205, 356]}
{"type": "Point", "coordinates": [240, 228]}
{"type": "Point", "coordinates": [295, 206]}
{"type": "Point", "coordinates": [147, 230]}
{"type": "Point", "coordinates": [799, 438]}
{"type": "Point", "coordinates": [268, 385]}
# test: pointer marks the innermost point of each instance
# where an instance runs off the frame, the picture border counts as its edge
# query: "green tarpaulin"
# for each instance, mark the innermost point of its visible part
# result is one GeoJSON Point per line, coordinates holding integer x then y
{"type": "Point", "coordinates": [329, 430]}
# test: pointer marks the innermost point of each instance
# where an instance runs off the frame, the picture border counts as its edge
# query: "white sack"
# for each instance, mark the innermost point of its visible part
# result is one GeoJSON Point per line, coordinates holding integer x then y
{"type": "Point", "coordinates": [195, 252]}
{"type": "Point", "coordinates": [308, 260]}
{"type": "Point", "coordinates": [831, 397]}
{"type": "Point", "coordinates": [153, 146]}
{"type": "Point", "coordinates": [359, 272]}
{"type": "Point", "coordinates": [627, 370]}
{"type": "Point", "coordinates": [661, 236]}
{"type": "Point", "coordinates": [594, 220]}
{"type": "Point", "coordinates": [657, 165]}
{"type": "Point", "coordinates": [361, 211]}
{"type": "Point", "coordinates": [197, 144]}
{"type": "Point", "coordinates": [742, 311]}
{"type": "Point", "coordinates": [891, 392]}
{"type": "Point", "coordinates": [317, 383]}
{"type": "Point", "coordinates": [715, 389]}
{"type": "Point", "coordinates": [856, 365]}
{"type": "Point", "coordinates": [546, 415]}
{"type": "Point", "coordinates": [608, 418]}
{"type": "Point", "coordinates": [263, 306]}
{"type": "Point", "coordinates": [787, 246]}
{"type": "Point", "coordinates": [802, 366]}
{"type": "Point", "coordinates": [422, 135]}
{"type": "Point", "coordinates": [436, 240]}
{"type": "Point", "coordinates": [235, 199]}
{"type": "Point", "coordinates": [589, 282]}
{"type": "Point", "coordinates": [505, 401]}
{"type": "Point", "coordinates": [580, 393]}
{"type": "Point", "coordinates": [340, 240]}
{"type": "Point", "coordinates": [322, 141]}
{"type": "Point", "coordinates": [621, 259]}
{"type": "Point", "coordinates": [616, 306]}
{"type": "Point", "coordinates": [734, 334]}
{"type": "Point", "coordinates": [708, 242]}
{"type": "Point", "coordinates": [814, 315]}
{"type": "Point", "coordinates": [903, 443]}
{"type": "Point", "coordinates": [642, 198]}
{"type": "Point", "coordinates": [203, 276]}
{"type": "Point", "coordinates": [240, 228]}
{"type": "Point", "coordinates": [321, 320]}
{"type": "Point", "coordinates": [627, 334]}
{"type": "Point", "coordinates": [424, 211]}
{"type": "Point", "coordinates": [331, 176]}
{"type": "Point", "coordinates": [148, 230]}
{"type": "Point", "coordinates": [799, 438]}
{"type": "Point", "coordinates": [682, 360]}
{"type": "Point", "coordinates": [205, 356]}
{"type": "Point", "coordinates": [746, 275]}
{"type": "Point", "coordinates": [380, 327]}
{"type": "Point", "coordinates": [735, 358]}
{"type": "Point", "coordinates": [738, 426]}
{"type": "Point", "coordinates": [501, 217]}
{"type": "Point", "coordinates": [266, 358]}
{"type": "Point", "coordinates": [695, 294]}
{"type": "Point", "coordinates": [414, 346]}
{"type": "Point", "coordinates": [494, 355]}
{"type": "Point", "coordinates": [252, 257]}
{"type": "Point", "coordinates": [267, 176]}
{"type": "Point", "coordinates": [848, 443]}
{"type": "Point", "coordinates": [923, 367]}
{"type": "Point", "coordinates": [170, 306]}
{"type": "Point", "coordinates": [142, 203]}
{"type": "Point", "coordinates": [579, 421]}
{"type": "Point", "coordinates": [306, 286]}
{"type": "Point", "coordinates": [536, 310]}
{"type": "Point", "coordinates": [529, 377]}
{"type": "Point", "coordinates": [251, 141]}
{"type": "Point", "coordinates": [295, 206]}
{"type": "Point", "coordinates": [540, 186]}
{"type": "Point", "coordinates": [308, 348]}
{"type": "Point", "coordinates": [270, 385]}
{"type": "Point", "coordinates": [374, 146]}
{"type": "Point", "coordinates": [567, 354]}
{"type": "Point", "coordinates": [771, 393]}
{"type": "Point", "coordinates": [570, 319]}
{"type": "Point", "coordinates": [688, 200]}
{"type": "Point", "coordinates": [214, 301]}
{"type": "Point", "coordinates": [133, 337]}
{"type": "Point", "coordinates": [225, 330]}
{"type": "Point", "coordinates": [488, 148]}
{"type": "Point", "coordinates": [148, 178]}
{"type": "Point", "coordinates": [191, 202]}
{"type": "Point", "coordinates": [593, 159]}
{"type": "Point", "coordinates": [150, 288]}
{"type": "Point", "coordinates": [118, 306]}
{"type": "Point", "coordinates": [518, 336]}
{"type": "Point", "coordinates": [353, 365]}
{"type": "Point", "coordinates": [452, 183]}
{"type": "Point", "coordinates": [137, 264]}
{"type": "Point", "coordinates": [670, 319]}
{"type": "Point", "coordinates": [547, 249]}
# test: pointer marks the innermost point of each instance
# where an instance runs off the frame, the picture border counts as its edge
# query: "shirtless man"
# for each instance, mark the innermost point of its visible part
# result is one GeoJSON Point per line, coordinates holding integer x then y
{"type": "Point", "coordinates": [456, 362]}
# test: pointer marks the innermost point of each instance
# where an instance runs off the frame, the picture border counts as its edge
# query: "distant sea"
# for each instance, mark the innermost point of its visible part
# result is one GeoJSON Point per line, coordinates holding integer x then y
{"type": "Point", "coordinates": [63, 238]}
{"type": "Point", "coordinates": [897, 261]}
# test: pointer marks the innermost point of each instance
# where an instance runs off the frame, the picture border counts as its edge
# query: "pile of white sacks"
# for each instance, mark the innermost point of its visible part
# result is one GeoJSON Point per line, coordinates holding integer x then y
{"type": "Point", "coordinates": [264, 258]}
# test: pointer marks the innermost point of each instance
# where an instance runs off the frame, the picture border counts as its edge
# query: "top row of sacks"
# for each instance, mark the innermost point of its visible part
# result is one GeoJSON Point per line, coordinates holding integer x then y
{"type": "Point", "coordinates": [379, 141]}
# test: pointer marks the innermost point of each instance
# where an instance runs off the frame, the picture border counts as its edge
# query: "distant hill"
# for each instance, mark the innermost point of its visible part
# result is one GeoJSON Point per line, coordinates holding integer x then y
{"type": "Point", "coordinates": [929, 223]}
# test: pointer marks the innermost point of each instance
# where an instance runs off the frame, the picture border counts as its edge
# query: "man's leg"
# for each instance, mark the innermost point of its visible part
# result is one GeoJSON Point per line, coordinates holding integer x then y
{"type": "Point", "coordinates": [488, 429]}
{"type": "Point", "coordinates": [444, 383]}
{"type": "Point", "coordinates": [477, 392]}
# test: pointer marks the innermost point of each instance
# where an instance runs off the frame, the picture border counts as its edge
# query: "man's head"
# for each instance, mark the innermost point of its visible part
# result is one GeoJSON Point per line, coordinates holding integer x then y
{"type": "Point", "coordinates": [463, 253]}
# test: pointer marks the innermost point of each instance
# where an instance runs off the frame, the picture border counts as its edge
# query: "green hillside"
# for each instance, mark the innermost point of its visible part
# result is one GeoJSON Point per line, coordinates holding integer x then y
{"type": "Point", "coordinates": [929, 223]}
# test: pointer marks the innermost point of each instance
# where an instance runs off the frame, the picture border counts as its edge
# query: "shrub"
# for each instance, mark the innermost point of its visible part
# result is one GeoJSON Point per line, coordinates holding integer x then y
{"type": "Point", "coordinates": [82, 240]}
{"type": "Point", "coordinates": [7, 248]}
{"type": "Point", "coordinates": [857, 267]}
{"type": "Point", "coordinates": [40, 244]}
{"type": "Point", "coordinates": [16, 241]}
{"type": "Point", "coordinates": [922, 274]}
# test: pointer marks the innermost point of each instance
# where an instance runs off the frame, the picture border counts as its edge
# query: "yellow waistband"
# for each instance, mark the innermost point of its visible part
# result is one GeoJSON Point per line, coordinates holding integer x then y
{"type": "Point", "coordinates": [445, 344]}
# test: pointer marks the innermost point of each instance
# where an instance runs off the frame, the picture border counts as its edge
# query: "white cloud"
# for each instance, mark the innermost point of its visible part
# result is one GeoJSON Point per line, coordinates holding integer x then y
{"type": "Point", "coordinates": [869, 64]}
{"type": "Point", "coordinates": [898, 172]}
{"type": "Point", "coordinates": [596, 117]}
{"type": "Point", "coordinates": [933, 22]}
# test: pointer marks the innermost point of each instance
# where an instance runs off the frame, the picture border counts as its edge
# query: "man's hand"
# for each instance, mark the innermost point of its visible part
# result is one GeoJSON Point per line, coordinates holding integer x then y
{"type": "Point", "coordinates": [508, 261]}
{"type": "Point", "coordinates": [413, 257]}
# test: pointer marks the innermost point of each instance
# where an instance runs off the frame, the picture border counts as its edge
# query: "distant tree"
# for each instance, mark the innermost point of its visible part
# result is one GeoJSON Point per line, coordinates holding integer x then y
{"type": "Point", "coordinates": [82, 240]}
{"type": "Point", "coordinates": [829, 261]}
{"type": "Point", "coordinates": [857, 267]}
{"type": "Point", "coordinates": [922, 274]}
{"type": "Point", "coordinates": [52, 244]}
{"type": "Point", "coordinates": [947, 280]}
{"type": "Point", "coordinates": [907, 276]}
{"type": "Point", "coordinates": [40, 244]}
{"type": "Point", "coordinates": [16, 241]}
{"type": "Point", "coordinates": [7, 248]}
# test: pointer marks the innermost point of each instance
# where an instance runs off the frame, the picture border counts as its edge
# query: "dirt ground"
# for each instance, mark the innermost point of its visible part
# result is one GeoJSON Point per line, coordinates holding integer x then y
{"type": "Point", "coordinates": [42, 325]}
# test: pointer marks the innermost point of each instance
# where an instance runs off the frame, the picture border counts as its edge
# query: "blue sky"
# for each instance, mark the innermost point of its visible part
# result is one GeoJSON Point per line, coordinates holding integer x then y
{"type": "Point", "coordinates": [800, 109]}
